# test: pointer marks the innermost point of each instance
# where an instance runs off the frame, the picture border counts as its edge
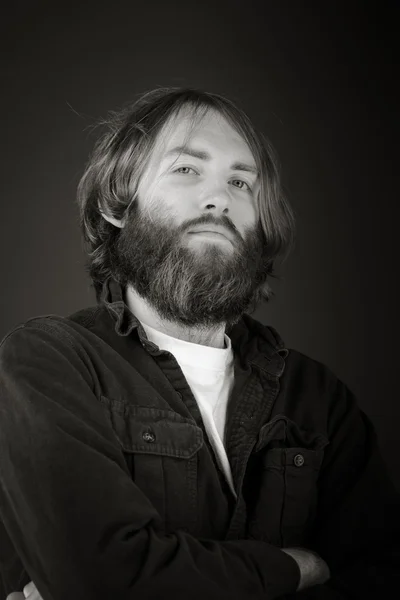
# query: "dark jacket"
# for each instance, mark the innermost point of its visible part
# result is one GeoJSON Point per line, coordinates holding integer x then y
{"type": "Point", "coordinates": [109, 488]}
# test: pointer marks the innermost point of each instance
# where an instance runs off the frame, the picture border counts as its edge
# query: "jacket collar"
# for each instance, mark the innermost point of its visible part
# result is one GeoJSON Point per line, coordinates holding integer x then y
{"type": "Point", "coordinates": [252, 342]}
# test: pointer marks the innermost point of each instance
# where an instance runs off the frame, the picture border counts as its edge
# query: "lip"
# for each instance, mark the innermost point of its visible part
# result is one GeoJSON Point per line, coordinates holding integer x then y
{"type": "Point", "coordinates": [217, 231]}
{"type": "Point", "coordinates": [212, 233]}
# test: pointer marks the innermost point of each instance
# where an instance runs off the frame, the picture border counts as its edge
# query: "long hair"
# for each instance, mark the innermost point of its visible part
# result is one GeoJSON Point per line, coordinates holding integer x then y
{"type": "Point", "coordinates": [112, 175]}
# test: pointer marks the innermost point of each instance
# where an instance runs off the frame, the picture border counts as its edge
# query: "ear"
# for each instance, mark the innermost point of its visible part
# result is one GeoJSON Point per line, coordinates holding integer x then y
{"type": "Point", "coordinates": [117, 222]}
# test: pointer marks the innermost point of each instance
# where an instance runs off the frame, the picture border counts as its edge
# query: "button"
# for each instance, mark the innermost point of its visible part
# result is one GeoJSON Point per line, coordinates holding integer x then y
{"type": "Point", "coordinates": [298, 460]}
{"type": "Point", "coordinates": [149, 437]}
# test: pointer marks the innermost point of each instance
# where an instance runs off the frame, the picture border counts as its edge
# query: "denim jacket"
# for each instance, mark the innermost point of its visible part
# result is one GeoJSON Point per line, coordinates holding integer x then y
{"type": "Point", "coordinates": [109, 488]}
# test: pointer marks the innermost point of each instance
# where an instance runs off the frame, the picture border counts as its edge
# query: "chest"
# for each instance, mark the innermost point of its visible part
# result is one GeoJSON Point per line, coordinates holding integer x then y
{"type": "Point", "coordinates": [275, 472]}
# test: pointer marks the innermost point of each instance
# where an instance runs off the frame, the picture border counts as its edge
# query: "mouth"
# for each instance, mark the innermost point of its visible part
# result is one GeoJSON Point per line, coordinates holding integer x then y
{"type": "Point", "coordinates": [206, 231]}
{"type": "Point", "coordinates": [212, 234]}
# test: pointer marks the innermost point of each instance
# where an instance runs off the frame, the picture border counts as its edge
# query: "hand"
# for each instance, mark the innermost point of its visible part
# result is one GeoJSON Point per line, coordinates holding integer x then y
{"type": "Point", "coordinates": [30, 593]}
{"type": "Point", "coordinates": [313, 569]}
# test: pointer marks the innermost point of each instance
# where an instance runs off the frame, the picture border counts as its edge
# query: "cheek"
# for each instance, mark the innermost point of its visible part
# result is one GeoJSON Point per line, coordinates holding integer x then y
{"type": "Point", "coordinates": [253, 212]}
{"type": "Point", "coordinates": [247, 213]}
{"type": "Point", "coordinates": [249, 221]}
{"type": "Point", "coordinates": [175, 199]}
{"type": "Point", "coordinates": [169, 206]}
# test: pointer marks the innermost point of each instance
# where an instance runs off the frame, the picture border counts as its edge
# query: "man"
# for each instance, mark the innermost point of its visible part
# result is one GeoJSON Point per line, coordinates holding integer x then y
{"type": "Point", "coordinates": [165, 444]}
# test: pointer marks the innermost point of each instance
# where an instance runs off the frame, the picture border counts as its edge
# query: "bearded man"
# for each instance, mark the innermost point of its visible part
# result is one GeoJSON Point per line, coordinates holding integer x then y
{"type": "Point", "coordinates": [164, 443]}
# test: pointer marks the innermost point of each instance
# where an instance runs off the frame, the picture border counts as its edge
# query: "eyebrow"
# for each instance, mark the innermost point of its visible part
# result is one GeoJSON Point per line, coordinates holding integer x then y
{"type": "Point", "coordinates": [202, 155]}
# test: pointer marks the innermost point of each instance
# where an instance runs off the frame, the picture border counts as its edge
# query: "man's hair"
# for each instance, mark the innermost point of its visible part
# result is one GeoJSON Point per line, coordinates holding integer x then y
{"type": "Point", "coordinates": [113, 173]}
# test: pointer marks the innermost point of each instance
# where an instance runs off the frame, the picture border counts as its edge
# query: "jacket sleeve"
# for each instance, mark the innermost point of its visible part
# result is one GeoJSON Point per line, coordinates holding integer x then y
{"type": "Point", "coordinates": [357, 531]}
{"type": "Point", "coordinates": [79, 524]}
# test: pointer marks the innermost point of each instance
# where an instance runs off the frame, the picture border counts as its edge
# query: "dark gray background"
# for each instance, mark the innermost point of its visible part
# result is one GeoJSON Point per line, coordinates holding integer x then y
{"type": "Point", "coordinates": [318, 78]}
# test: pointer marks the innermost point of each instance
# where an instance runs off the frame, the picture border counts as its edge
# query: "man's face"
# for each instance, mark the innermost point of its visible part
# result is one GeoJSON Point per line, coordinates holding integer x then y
{"type": "Point", "coordinates": [195, 279]}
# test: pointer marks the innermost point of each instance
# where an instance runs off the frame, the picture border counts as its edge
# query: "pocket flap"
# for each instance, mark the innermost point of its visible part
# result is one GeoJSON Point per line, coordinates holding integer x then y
{"type": "Point", "coordinates": [151, 430]}
{"type": "Point", "coordinates": [283, 432]}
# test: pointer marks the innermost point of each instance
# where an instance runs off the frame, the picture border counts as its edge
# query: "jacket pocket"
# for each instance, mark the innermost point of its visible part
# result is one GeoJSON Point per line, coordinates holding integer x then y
{"type": "Point", "coordinates": [288, 461]}
{"type": "Point", "coordinates": [161, 450]}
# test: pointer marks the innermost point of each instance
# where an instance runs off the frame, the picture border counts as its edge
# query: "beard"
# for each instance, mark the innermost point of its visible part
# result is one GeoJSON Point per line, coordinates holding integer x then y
{"type": "Point", "coordinates": [197, 284]}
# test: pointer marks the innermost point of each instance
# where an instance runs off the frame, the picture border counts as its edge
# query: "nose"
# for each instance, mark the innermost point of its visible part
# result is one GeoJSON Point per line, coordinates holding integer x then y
{"type": "Point", "coordinates": [218, 197]}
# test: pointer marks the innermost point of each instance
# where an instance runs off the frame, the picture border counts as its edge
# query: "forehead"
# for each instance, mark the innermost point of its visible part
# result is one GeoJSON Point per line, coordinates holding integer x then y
{"type": "Point", "coordinates": [211, 130]}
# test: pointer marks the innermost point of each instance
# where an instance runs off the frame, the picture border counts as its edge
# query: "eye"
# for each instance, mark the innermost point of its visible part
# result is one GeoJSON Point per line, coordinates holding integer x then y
{"type": "Point", "coordinates": [180, 169]}
{"type": "Point", "coordinates": [242, 182]}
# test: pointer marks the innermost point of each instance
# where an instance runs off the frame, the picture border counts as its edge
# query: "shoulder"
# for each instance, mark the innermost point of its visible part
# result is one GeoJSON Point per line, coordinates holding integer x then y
{"type": "Point", "coordinates": [46, 331]}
